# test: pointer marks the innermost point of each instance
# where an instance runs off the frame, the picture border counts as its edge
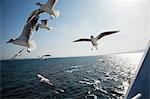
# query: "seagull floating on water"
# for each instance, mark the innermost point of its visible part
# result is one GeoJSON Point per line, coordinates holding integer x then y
{"type": "Point", "coordinates": [47, 7]}
{"type": "Point", "coordinates": [44, 24]}
{"type": "Point", "coordinates": [24, 38]}
{"type": "Point", "coordinates": [44, 80]}
{"type": "Point", "coordinates": [18, 54]}
{"type": "Point", "coordinates": [94, 40]}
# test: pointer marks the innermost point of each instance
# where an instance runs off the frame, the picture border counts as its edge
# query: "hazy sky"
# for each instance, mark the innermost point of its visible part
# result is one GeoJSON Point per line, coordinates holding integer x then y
{"type": "Point", "coordinates": [78, 18]}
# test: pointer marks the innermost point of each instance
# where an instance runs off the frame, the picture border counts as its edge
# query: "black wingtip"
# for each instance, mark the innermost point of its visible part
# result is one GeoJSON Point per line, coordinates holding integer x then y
{"type": "Point", "coordinates": [115, 31]}
{"type": "Point", "coordinates": [74, 41]}
{"type": "Point", "coordinates": [118, 31]}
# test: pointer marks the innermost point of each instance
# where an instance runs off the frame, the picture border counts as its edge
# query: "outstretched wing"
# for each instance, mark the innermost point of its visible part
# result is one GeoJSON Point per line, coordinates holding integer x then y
{"type": "Point", "coordinates": [34, 13]}
{"type": "Point", "coordinates": [14, 56]}
{"type": "Point", "coordinates": [17, 54]}
{"type": "Point", "coordinates": [27, 31]}
{"type": "Point", "coordinates": [40, 76]}
{"type": "Point", "coordinates": [83, 39]}
{"type": "Point", "coordinates": [105, 33]}
{"type": "Point", "coordinates": [52, 3]}
{"type": "Point", "coordinates": [21, 50]}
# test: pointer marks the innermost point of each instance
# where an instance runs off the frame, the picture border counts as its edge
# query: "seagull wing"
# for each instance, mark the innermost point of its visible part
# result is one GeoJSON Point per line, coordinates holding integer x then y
{"type": "Point", "coordinates": [14, 56]}
{"type": "Point", "coordinates": [40, 76]}
{"type": "Point", "coordinates": [34, 14]}
{"type": "Point", "coordinates": [83, 39]}
{"type": "Point", "coordinates": [21, 50]}
{"type": "Point", "coordinates": [52, 3]}
{"type": "Point", "coordinates": [105, 33]}
{"type": "Point", "coordinates": [17, 54]}
{"type": "Point", "coordinates": [27, 31]}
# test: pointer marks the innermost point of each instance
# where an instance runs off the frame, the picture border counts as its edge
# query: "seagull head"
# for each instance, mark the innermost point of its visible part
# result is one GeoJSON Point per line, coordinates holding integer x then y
{"type": "Point", "coordinates": [92, 37]}
{"type": "Point", "coordinates": [10, 40]}
{"type": "Point", "coordinates": [38, 3]}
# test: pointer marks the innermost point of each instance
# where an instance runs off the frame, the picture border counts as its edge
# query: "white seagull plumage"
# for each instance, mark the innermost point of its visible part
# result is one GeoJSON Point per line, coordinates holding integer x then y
{"type": "Point", "coordinates": [24, 38]}
{"type": "Point", "coordinates": [47, 7]}
{"type": "Point", "coordinates": [43, 24]}
{"type": "Point", "coordinates": [94, 40]}
{"type": "Point", "coordinates": [44, 80]}
{"type": "Point", "coordinates": [18, 54]}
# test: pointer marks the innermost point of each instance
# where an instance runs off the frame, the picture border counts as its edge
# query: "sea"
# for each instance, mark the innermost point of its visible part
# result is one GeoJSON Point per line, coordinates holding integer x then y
{"type": "Point", "coordinates": [89, 77]}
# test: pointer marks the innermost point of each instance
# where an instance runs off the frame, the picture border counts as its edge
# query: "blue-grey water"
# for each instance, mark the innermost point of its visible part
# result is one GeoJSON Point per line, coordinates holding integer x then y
{"type": "Point", "coordinates": [94, 77]}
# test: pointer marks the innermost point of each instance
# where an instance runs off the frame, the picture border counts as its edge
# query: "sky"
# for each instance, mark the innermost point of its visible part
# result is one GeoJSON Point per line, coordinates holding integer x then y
{"type": "Point", "coordinates": [78, 19]}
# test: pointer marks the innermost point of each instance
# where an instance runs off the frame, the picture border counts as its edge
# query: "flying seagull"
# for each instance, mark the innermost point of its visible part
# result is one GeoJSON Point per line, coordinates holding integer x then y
{"type": "Point", "coordinates": [44, 56]}
{"type": "Point", "coordinates": [18, 54]}
{"type": "Point", "coordinates": [44, 80]}
{"type": "Point", "coordinates": [44, 24]}
{"type": "Point", "coordinates": [47, 7]}
{"type": "Point", "coordinates": [24, 38]}
{"type": "Point", "coordinates": [94, 40]}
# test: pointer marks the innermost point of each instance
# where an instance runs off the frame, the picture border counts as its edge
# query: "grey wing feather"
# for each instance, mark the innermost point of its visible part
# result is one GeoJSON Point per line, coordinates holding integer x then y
{"type": "Point", "coordinates": [105, 33]}
{"type": "Point", "coordinates": [52, 3]}
{"type": "Point", "coordinates": [34, 13]}
{"type": "Point", "coordinates": [27, 31]}
{"type": "Point", "coordinates": [83, 39]}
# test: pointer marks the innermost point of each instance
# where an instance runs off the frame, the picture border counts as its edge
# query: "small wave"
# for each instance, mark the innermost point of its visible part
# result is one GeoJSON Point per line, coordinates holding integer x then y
{"type": "Point", "coordinates": [90, 95]}
{"type": "Point", "coordinates": [56, 92]}
{"type": "Point", "coordinates": [61, 90]}
{"type": "Point", "coordinates": [76, 66]}
{"type": "Point", "coordinates": [71, 70]}
{"type": "Point", "coordinates": [89, 71]}
{"type": "Point", "coordinates": [85, 82]}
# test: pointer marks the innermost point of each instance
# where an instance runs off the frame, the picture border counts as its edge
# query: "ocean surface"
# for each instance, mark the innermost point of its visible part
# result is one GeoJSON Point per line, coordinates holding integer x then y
{"type": "Point", "coordinates": [93, 77]}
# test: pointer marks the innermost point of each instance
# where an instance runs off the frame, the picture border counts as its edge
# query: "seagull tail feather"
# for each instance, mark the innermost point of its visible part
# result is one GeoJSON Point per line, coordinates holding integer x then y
{"type": "Point", "coordinates": [31, 45]}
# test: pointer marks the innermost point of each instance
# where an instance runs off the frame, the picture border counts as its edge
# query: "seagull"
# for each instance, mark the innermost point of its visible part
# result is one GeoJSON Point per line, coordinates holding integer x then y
{"type": "Point", "coordinates": [44, 24]}
{"type": "Point", "coordinates": [47, 7]}
{"type": "Point", "coordinates": [94, 40]}
{"type": "Point", "coordinates": [24, 38]}
{"type": "Point", "coordinates": [18, 54]}
{"type": "Point", "coordinates": [44, 80]}
{"type": "Point", "coordinates": [44, 56]}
